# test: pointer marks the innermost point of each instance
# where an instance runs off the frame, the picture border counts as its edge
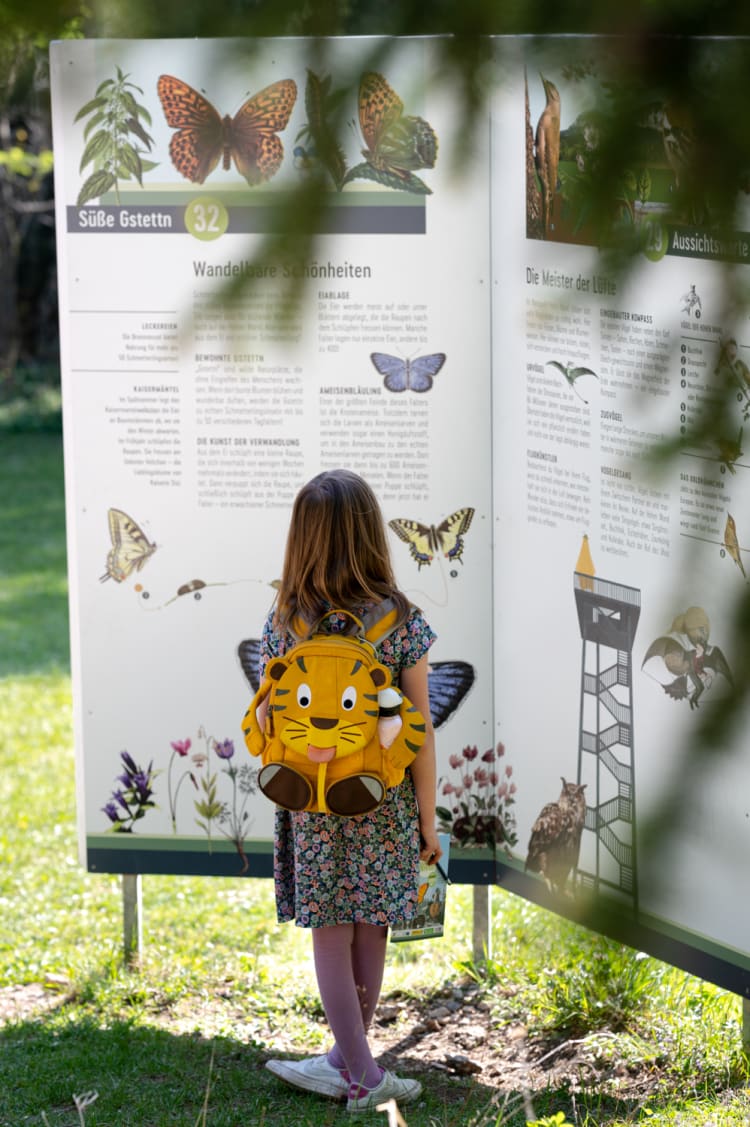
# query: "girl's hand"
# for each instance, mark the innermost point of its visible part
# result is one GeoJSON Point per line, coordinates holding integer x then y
{"type": "Point", "coordinates": [430, 848]}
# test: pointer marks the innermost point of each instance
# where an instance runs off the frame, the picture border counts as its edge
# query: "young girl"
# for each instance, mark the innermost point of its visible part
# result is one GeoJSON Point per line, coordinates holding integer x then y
{"type": "Point", "coordinates": [349, 878]}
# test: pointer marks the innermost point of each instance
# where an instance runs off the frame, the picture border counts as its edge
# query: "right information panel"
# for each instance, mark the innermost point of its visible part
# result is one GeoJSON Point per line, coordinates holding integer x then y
{"type": "Point", "coordinates": [620, 577]}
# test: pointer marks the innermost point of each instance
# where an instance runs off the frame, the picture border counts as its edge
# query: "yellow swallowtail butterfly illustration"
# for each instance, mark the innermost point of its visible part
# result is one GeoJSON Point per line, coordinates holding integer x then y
{"type": "Point", "coordinates": [130, 547]}
{"type": "Point", "coordinates": [427, 540]}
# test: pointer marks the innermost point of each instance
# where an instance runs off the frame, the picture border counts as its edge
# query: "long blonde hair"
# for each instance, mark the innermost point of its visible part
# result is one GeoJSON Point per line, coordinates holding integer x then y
{"type": "Point", "coordinates": [336, 551]}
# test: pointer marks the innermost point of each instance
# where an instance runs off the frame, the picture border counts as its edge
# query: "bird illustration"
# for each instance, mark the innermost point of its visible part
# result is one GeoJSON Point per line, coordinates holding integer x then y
{"type": "Point", "coordinates": [572, 372]}
{"type": "Point", "coordinates": [730, 450]}
{"type": "Point", "coordinates": [555, 841]}
{"type": "Point", "coordinates": [692, 302]}
{"type": "Point", "coordinates": [732, 544]}
{"type": "Point", "coordinates": [696, 666]}
{"type": "Point", "coordinates": [547, 154]}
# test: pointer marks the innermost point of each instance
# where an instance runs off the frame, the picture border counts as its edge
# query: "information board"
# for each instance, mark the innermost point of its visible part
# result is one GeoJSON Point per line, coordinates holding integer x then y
{"type": "Point", "coordinates": [463, 344]}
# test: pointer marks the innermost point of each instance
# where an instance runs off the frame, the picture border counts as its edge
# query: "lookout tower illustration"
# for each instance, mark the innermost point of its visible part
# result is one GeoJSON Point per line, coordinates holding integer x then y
{"type": "Point", "coordinates": [608, 618]}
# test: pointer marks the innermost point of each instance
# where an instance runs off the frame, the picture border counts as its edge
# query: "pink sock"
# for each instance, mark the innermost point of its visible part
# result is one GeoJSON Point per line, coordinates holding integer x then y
{"type": "Point", "coordinates": [349, 960]}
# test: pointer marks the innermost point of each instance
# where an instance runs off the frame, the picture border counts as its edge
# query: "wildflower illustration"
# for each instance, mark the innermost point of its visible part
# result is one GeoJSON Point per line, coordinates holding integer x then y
{"type": "Point", "coordinates": [116, 140]}
{"type": "Point", "coordinates": [131, 801]}
{"type": "Point", "coordinates": [208, 807]}
{"type": "Point", "coordinates": [481, 800]}
{"type": "Point", "coordinates": [234, 819]}
{"type": "Point", "coordinates": [180, 749]}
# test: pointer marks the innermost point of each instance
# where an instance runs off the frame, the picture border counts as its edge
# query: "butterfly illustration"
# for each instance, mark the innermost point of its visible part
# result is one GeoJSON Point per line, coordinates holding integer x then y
{"type": "Point", "coordinates": [130, 547]}
{"type": "Point", "coordinates": [397, 144]}
{"type": "Point", "coordinates": [416, 375]}
{"type": "Point", "coordinates": [448, 682]}
{"type": "Point", "coordinates": [203, 138]}
{"type": "Point", "coordinates": [426, 540]}
{"type": "Point", "coordinates": [318, 145]}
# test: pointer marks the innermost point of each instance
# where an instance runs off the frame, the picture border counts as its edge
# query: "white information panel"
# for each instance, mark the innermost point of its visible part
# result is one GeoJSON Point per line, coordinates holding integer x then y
{"type": "Point", "coordinates": [462, 343]}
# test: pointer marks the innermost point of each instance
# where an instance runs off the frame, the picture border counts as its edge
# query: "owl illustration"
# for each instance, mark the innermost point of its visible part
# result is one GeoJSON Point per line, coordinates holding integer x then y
{"type": "Point", "coordinates": [555, 839]}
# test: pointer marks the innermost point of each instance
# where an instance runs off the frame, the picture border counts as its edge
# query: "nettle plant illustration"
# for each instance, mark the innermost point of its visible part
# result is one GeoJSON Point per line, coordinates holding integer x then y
{"type": "Point", "coordinates": [480, 796]}
{"type": "Point", "coordinates": [116, 140]}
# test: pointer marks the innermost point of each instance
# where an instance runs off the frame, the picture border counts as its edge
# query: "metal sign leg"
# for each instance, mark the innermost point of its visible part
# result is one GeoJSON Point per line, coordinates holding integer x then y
{"type": "Point", "coordinates": [482, 927]}
{"type": "Point", "coordinates": [132, 917]}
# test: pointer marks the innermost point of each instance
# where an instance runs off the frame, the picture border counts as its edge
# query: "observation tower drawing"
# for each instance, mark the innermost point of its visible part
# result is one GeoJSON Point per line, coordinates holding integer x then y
{"type": "Point", "coordinates": [608, 616]}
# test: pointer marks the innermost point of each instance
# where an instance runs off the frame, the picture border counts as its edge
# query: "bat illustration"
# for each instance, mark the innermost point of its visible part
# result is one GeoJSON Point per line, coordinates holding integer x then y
{"type": "Point", "coordinates": [448, 682]}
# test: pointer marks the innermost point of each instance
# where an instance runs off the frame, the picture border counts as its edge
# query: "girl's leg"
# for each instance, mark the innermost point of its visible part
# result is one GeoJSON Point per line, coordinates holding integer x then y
{"type": "Point", "coordinates": [368, 960]}
{"type": "Point", "coordinates": [333, 952]}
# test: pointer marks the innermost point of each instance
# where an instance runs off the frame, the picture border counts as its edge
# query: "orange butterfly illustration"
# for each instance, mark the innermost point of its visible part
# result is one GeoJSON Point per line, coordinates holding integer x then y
{"type": "Point", "coordinates": [397, 143]}
{"type": "Point", "coordinates": [203, 138]}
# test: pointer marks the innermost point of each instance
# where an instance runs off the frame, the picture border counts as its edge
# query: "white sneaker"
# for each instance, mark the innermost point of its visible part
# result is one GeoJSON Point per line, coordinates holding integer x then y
{"type": "Point", "coordinates": [390, 1087]}
{"type": "Point", "coordinates": [314, 1074]}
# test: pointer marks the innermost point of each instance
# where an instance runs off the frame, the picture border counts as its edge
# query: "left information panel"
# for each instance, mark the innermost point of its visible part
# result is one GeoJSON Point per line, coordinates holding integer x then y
{"type": "Point", "coordinates": [197, 402]}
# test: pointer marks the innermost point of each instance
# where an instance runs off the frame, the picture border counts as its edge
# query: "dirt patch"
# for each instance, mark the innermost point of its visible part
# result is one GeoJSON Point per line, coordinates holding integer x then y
{"type": "Point", "coordinates": [452, 1036]}
{"type": "Point", "coordinates": [24, 1003]}
{"type": "Point", "coordinates": [455, 1034]}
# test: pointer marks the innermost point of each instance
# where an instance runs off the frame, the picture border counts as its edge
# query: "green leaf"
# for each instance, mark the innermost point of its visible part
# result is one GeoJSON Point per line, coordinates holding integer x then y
{"type": "Point", "coordinates": [143, 112]}
{"type": "Point", "coordinates": [104, 85]}
{"type": "Point", "coordinates": [129, 159]}
{"type": "Point", "coordinates": [129, 103]}
{"type": "Point", "coordinates": [97, 146]}
{"type": "Point", "coordinates": [94, 104]}
{"type": "Point", "coordinates": [96, 185]}
{"type": "Point", "coordinates": [92, 124]}
{"type": "Point", "coordinates": [149, 165]}
{"type": "Point", "coordinates": [135, 126]}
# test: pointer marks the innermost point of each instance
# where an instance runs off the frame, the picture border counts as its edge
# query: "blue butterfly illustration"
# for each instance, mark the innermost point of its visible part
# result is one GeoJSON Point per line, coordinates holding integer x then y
{"type": "Point", "coordinates": [448, 682]}
{"type": "Point", "coordinates": [414, 375]}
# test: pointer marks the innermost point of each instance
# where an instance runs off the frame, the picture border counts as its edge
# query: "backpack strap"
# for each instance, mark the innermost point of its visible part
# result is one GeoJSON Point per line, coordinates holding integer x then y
{"type": "Point", "coordinates": [301, 631]}
{"type": "Point", "coordinates": [375, 626]}
{"type": "Point", "coordinates": [382, 621]}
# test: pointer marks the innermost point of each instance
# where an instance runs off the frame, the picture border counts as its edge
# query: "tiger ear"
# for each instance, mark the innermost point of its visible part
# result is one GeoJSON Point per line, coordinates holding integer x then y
{"type": "Point", "coordinates": [276, 670]}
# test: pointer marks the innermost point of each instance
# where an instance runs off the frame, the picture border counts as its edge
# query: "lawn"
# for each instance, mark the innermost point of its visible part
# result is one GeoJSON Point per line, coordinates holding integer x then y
{"type": "Point", "coordinates": [556, 1023]}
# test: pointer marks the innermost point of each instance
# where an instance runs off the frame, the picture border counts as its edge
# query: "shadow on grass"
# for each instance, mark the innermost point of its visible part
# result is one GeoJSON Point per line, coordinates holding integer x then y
{"type": "Point", "coordinates": [148, 1077]}
{"type": "Point", "coordinates": [143, 1076]}
{"type": "Point", "coordinates": [33, 589]}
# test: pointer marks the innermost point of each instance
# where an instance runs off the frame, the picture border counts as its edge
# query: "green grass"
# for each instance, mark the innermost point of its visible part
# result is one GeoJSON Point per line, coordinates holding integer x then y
{"type": "Point", "coordinates": [182, 1039]}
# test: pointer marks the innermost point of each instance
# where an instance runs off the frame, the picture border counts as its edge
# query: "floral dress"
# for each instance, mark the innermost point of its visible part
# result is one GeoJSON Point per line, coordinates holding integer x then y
{"type": "Point", "coordinates": [331, 870]}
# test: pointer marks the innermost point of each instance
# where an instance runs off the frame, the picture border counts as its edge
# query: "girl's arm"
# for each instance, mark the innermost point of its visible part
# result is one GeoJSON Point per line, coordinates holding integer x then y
{"type": "Point", "coordinates": [423, 770]}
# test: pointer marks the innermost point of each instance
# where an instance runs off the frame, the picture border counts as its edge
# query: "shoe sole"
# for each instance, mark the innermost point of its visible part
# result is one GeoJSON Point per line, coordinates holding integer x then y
{"type": "Point", "coordinates": [402, 1098]}
{"type": "Point", "coordinates": [320, 1088]}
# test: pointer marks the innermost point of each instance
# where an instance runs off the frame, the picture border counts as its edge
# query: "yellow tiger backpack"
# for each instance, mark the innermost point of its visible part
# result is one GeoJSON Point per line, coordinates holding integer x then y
{"type": "Point", "coordinates": [332, 732]}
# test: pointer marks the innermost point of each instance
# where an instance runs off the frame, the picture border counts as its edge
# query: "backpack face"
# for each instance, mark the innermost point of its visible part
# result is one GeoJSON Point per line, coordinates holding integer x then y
{"type": "Point", "coordinates": [323, 702]}
{"type": "Point", "coordinates": [331, 734]}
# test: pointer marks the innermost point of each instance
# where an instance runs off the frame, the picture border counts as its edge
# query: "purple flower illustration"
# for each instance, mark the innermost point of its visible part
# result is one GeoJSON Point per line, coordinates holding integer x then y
{"type": "Point", "coordinates": [134, 798]}
{"type": "Point", "coordinates": [224, 749]}
{"type": "Point", "coordinates": [234, 819]}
